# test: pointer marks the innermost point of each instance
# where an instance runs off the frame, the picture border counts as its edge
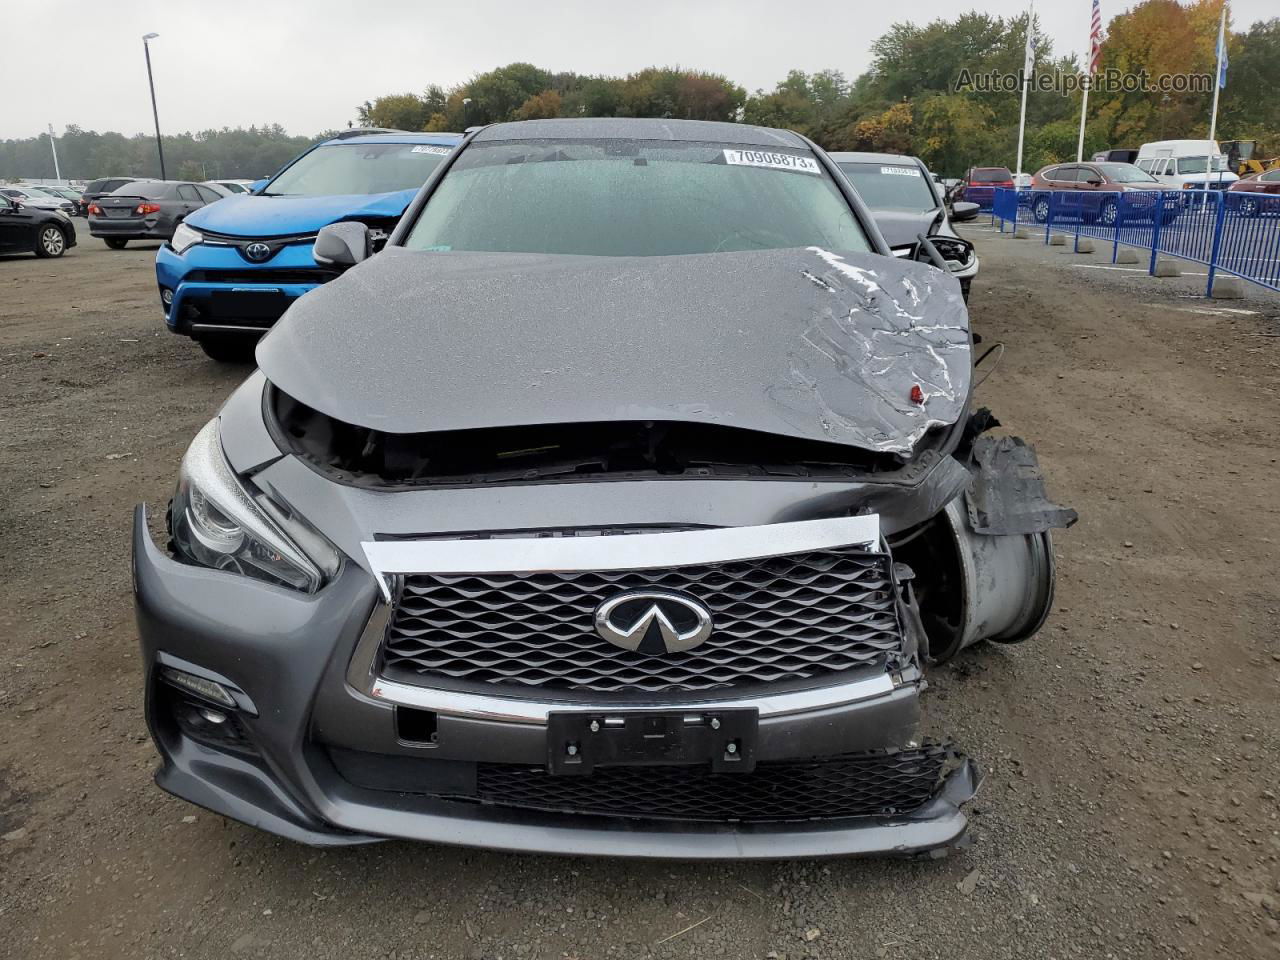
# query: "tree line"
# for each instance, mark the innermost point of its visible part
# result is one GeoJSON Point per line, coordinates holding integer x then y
{"type": "Point", "coordinates": [907, 102]}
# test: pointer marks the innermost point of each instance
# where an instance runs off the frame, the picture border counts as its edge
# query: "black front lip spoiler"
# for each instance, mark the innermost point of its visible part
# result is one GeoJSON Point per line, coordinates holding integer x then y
{"type": "Point", "coordinates": [240, 789]}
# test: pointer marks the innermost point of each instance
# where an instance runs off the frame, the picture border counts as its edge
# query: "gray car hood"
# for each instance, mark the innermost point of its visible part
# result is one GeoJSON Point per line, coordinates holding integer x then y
{"type": "Point", "coordinates": [804, 343]}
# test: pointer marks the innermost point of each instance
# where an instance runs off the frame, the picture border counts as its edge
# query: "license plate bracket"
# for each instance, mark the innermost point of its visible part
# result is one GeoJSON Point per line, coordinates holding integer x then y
{"type": "Point", "coordinates": [579, 741]}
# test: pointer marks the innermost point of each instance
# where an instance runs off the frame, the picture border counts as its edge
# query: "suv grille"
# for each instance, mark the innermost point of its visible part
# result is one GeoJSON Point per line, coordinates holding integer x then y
{"type": "Point", "coordinates": [793, 617]}
{"type": "Point", "coordinates": [828, 788]}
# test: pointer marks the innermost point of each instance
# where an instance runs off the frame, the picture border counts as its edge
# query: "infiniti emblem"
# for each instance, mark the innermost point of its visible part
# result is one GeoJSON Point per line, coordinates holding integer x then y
{"type": "Point", "coordinates": [653, 621]}
{"type": "Point", "coordinates": [257, 252]}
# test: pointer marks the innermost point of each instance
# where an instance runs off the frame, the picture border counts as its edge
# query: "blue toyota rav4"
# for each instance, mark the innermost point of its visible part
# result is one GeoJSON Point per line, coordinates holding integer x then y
{"type": "Point", "coordinates": [233, 267]}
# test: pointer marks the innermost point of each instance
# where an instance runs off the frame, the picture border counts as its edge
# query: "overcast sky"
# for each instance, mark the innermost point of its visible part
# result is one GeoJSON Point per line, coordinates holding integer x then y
{"type": "Point", "coordinates": [306, 64]}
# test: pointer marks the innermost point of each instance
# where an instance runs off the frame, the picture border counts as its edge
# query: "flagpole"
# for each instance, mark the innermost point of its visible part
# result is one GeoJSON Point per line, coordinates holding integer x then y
{"type": "Point", "coordinates": [1217, 85]}
{"type": "Point", "coordinates": [1026, 82]}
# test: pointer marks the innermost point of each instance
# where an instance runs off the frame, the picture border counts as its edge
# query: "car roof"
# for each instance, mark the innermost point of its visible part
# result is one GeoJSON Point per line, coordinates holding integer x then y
{"type": "Point", "coordinates": [439, 139]}
{"type": "Point", "coordinates": [641, 128]}
{"type": "Point", "coordinates": [854, 157]}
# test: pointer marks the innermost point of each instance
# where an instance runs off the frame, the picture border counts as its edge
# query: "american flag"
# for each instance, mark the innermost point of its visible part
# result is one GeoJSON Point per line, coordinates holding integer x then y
{"type": "Point", "coordinates": [1095, 38]}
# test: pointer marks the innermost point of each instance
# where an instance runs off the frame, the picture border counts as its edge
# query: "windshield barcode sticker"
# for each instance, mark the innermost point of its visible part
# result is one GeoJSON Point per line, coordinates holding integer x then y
{"type": "Point", "coordinates": [434, 150]}
{"type": "Point", "coordinates": [773, 161]}
{"type": "Point", "coordinates": [901, 171]}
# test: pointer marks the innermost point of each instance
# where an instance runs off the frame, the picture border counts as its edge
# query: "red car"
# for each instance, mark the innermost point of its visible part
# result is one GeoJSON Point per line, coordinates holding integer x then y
{"type": "Point", "coordinates": [1252, 205]}
{"type": "Point", "coordinates": [1094, 191]}
{"type": "Point", "coordinates": [979, 184]}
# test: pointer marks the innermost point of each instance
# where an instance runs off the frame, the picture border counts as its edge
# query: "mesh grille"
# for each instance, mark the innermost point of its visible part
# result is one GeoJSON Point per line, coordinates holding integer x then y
{"type": "Point", "coordinates": [793, 617]}
{"type": "Point", "coordinates": [830, 788]}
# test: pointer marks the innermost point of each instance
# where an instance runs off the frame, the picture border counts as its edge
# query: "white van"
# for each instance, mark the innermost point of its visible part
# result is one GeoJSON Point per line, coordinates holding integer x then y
{"type": "Point", "coordinates": [1181, 163]}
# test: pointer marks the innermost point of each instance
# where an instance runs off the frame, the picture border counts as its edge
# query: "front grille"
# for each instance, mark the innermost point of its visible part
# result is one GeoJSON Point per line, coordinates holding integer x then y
{"type": "Point", "coordinates": [828, 788]}
{"type": "Point", "coordinates": [793, 617]}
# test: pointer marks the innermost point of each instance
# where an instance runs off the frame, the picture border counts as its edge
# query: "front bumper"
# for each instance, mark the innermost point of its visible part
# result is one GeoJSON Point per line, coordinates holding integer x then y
{"type": "Point", "coordinates": [305, 706]}
{"type": "Point", "coordinates": [198, 273]}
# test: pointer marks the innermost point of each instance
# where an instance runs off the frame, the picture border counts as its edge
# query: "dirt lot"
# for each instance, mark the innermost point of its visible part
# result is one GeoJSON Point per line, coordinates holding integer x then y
{"type": "Point", "coordinates": [1131, 803]}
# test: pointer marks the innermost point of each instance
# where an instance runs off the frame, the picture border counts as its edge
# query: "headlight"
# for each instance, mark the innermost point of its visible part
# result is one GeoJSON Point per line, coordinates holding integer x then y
{"type": "Point", "coordinates": [217, 522]}
{"type": "Point", "coordinates": [185, 237]}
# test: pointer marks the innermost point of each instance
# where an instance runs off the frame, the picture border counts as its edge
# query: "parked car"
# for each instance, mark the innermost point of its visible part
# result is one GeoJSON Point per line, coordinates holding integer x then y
{"type": "Point", "coordinates": [231, 186]}
{"type": "Point", "coordinates": [36, 198]}
{"type": "Point", "coordinates": [579, 519]}
{"type": "Point", "coordinates": [44, 232]}
{"type": "Point", "coordinates": [233, 269]}
{"type": "Point", "coordinates": [66, 194]}
{"type": "Point", "coordinates": [978, 185]}
{"type": "Point", "coordinates": [96, 189]}
{"type": "Point", "coordinates": [1182, 164]}
{"type": "Point", "coordinates": [906, 202]}
{"type": "Point", "coordinates": [1092, 192]}
{"type": "Point", "coordinates": [146, 210]}
{"type": "Point", "coordinates": [1122, 155]}
{"type": "Point", "coordinates": [1262, 193]}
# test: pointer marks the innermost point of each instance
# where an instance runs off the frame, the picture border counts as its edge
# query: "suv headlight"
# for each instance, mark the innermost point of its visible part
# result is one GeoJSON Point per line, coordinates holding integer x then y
{"type": "Point", "coordinates": [216, 521]}
{"type": "Point", "coordinates": [185, 237]}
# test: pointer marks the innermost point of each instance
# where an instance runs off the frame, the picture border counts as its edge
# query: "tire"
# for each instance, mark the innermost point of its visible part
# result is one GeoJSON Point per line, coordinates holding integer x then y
{"type": "Point", "coordinates": [1040, 208]}
{"type": "Point", "coordinates": [51, 242]}
{"type": "Point", "coordinates": [229, 348]}
{"type": "Point", "coordinates": [115, 243]}
{"type": "Point", "coordinates": [1108, 213]}
{"type": "Point", "coordinates": [1249, 207]}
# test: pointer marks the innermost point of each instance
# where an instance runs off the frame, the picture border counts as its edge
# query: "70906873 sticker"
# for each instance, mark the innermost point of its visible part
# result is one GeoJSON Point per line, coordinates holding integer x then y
{"type": "Point", "coordinates": [772, 161]}
{"type": "Point", "coordinates": [432, 149]}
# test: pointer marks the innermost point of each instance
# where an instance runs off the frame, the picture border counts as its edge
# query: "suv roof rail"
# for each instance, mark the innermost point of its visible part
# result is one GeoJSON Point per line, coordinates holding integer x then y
{"type": "Point", "coordinates": [365, 131]}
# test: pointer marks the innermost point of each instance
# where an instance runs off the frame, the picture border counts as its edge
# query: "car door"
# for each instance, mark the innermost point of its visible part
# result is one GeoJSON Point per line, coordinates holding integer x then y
{"type": "Point", "coordinates": [1068, 183]}
{"type": "Point", "coordinates": [188, 201]}
{"type": "Point", "coordinates": [15, 227]}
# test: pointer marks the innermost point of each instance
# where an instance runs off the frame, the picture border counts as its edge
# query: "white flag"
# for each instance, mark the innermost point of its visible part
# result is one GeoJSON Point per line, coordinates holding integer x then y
{"type": "Point", "coordinates": [1029, 60]}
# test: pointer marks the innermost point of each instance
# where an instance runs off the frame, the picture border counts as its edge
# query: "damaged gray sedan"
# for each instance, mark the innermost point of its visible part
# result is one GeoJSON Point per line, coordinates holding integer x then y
{"type": "Point", "coordinates": [617, 506]}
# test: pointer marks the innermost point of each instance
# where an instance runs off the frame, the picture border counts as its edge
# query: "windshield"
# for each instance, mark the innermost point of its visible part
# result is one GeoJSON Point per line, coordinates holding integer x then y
{"type": "Point", "coordinates": [885, 186]}
{"type": "Point", "coordinates": [1125, 173]}
{"type": "Point", "coordinates": [630, 198]}
{"type": "Point", "coordinates": [346, 168]}
{"type": "Point", "coordinates": [1196, 164]}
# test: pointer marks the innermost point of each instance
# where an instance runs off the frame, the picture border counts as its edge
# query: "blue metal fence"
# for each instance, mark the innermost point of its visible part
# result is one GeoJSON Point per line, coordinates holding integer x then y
{"type": "Point", "coordinates": [1230, 232]}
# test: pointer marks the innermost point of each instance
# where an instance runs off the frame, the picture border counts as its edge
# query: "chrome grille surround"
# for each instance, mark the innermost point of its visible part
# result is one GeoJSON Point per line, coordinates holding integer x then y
{"type": "Point", "coordinates": [809, 615]}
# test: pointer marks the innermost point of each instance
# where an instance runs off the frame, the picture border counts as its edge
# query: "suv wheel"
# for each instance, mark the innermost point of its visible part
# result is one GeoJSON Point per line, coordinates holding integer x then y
{"type": "Point", "coordinates": [229, 348]}
{"type": "Point", "coordinates": [1108, 213]}
{"type": "Point", "coordinates": [1040, 207]}
{"type": "Point", "coordinates": [1249, 207]}
{"type": "Point", "coordinates": [115, 243]}
{"type": "Point", "coordinates": [51, 242]}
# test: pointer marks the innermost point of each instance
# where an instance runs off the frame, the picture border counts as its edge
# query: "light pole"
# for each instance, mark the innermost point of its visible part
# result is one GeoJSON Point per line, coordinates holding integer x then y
{"type": "Point", "coordinates": [146, 46]}
{"type": "Point", "coordinates": [466, 102]}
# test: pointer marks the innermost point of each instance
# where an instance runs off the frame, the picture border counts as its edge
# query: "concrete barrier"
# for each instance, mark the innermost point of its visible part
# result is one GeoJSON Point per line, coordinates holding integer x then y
{"type": "Point", "coordinates": [1227, 288]}
{"type": "Point", "coordinates": [1127, 255]}
{"type": "Point", "coordinates": [1057, 240]}
{"type": "Point", "coordinates": [1167, 268]}
{"type": "Point", "coordinates": [1084, 245]}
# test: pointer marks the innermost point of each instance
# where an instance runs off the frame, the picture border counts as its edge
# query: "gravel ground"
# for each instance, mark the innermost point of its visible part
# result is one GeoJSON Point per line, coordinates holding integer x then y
{"type": "Point", "coordinates": [1130, 808]}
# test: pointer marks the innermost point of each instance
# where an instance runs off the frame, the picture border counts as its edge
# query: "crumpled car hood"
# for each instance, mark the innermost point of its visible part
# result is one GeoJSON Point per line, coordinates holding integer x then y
{"type": "Point", "coordinates": [243, 215]}
{"type": "Point", "coordinates": [804, 343]}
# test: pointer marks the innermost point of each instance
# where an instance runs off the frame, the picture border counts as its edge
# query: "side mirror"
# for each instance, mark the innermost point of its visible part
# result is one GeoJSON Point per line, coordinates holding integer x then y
{"type": "Point", "coordinates": [342, 244]}
{"type": "Point", "coordinates": [964, 210]}
{"type": "Point", "coordinates": [258, 185]}
{"type": "Point", "coordinates": [1094, 182]}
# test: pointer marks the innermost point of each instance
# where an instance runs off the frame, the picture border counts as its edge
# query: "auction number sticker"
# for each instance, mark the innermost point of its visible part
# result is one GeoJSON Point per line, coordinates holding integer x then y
{"type": "Point", "coordinates": [432, 149]}
{"type": "Point", "coordinates": [772, 161]}
{"type": "Point", "coordinates": [901, 171]}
